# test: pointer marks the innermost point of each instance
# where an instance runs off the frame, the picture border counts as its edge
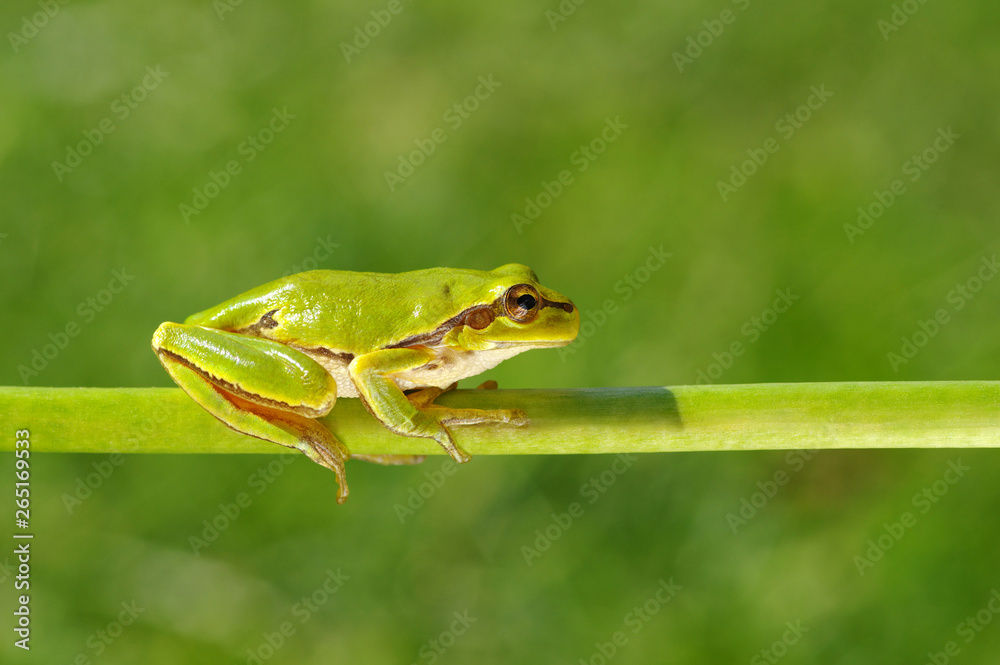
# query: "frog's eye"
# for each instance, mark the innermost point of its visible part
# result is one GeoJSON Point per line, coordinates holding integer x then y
{"type": "Point", "coordinates": [521, 303]}
{"type": "Point", "coordinates": [479, 318]}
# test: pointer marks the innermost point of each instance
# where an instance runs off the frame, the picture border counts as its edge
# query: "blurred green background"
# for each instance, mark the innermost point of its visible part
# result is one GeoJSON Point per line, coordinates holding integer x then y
{"type": "Point", "coordinates": [317, 195]}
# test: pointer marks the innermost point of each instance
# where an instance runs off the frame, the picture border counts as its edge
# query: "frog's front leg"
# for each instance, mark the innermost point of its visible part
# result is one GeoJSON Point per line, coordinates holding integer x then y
{"type": "Point", "coordinates": [421, 399]}
{"type": "Point", "coordinates": [415, 414]}
{"type": "Point", "coordinates": [257, 387]}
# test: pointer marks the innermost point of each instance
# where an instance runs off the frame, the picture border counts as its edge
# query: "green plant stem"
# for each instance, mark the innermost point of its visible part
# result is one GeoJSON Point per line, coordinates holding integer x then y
{"type": "Point", "coordinates": [946, 414]}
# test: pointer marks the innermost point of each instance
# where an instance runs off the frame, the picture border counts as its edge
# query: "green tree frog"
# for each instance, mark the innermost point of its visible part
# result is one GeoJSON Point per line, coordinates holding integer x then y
{"type": "Point", "coordinates": [269, 362]}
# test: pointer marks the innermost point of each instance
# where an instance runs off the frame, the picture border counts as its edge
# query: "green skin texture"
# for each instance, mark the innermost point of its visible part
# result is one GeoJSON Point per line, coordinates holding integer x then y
{"type": "Point", "coordinates": [255, 362]}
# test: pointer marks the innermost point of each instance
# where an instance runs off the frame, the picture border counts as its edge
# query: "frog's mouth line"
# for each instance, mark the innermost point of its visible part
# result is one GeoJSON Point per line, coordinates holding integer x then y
{"type": "Point", "coordinates": [535, 344]}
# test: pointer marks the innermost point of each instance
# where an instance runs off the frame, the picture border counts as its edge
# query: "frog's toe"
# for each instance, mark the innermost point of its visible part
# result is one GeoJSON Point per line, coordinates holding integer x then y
{"type": "Point", "coordinates": [319, 445]}
{"type": "Point", "coordinates": [447, 442]}
{"type": "Point", "coordinates": [424, 397]}
{"type": "Point", "coordinates": [390, 460]}
{"type": "Point", "coordinates": [516, 417]}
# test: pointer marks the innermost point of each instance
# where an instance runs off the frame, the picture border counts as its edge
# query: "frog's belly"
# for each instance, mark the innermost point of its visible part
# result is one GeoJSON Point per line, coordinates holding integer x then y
{"type": "Point", "coordinates": [449, 366]}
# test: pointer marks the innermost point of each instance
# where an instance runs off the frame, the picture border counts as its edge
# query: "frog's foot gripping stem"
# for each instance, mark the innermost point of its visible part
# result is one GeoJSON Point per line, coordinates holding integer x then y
{"type": "Point", "coordinates": [424, 400]}
{"type": "Point", "coordinates": [246, 400]}
{"type": "Point", "coordinates": [416, 414]}
{"type": "Point", "coordinates": [421, 399]}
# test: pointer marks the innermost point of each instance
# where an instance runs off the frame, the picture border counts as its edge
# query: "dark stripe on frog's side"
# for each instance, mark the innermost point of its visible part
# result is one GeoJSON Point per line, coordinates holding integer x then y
{"type": "Point", "coordinates": [565, 306]}
{"type": "Point", "coordinates": [343, 356]}
{"type": "Point", "coordinates": [265, 322]}
{"type": "Point", "coordinates": [496, 307]}
{"type": "Point", "coordinates": [435, 336]}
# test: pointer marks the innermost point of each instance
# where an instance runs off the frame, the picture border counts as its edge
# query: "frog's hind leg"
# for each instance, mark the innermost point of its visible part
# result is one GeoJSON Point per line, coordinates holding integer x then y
{"type": "Point", "coordinates": [270, 391]}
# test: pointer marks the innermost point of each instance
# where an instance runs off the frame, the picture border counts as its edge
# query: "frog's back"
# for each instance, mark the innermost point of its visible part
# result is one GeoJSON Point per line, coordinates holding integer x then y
{"type": "Point", "coordinates": [348, 312]}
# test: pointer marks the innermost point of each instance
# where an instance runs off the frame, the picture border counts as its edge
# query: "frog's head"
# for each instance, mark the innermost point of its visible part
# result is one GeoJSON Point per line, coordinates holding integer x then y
{"type": "Point", "coordinates": [521, 313]}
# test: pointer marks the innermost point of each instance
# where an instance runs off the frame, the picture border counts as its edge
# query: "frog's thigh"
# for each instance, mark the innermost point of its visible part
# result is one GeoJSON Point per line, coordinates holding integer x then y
{"type": "Point", "coordinates": [387, 402]}
{"type": "Point", "coordinates": [257, 370]}
{"type": "Point", "coordinates": [286, 427]}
